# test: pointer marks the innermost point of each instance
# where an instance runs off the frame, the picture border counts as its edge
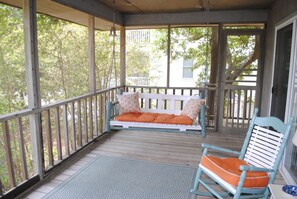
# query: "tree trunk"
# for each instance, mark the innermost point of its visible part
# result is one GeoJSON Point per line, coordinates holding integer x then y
{"type": "Point", "coordinates": [213, 70]}
{"type": "Point", "coordinates": [232, 75]}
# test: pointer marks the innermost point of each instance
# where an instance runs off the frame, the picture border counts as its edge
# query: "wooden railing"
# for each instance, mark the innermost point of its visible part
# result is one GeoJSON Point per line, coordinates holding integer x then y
{"type": "Point", "coordinates": [165, 90]}
{"type": "Point", "coordinates": [239, 104]}
{"type": "Point", "coordinates": [66, 127]}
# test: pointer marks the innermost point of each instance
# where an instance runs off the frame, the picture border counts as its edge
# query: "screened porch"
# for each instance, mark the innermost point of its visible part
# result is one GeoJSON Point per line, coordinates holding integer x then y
{"type": "Point", "coordinates": [63, 61]}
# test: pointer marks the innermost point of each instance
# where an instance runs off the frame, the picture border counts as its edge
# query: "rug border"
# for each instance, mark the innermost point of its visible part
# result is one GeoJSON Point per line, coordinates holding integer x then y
{"type": "Point", "coordinates": [98, 156]}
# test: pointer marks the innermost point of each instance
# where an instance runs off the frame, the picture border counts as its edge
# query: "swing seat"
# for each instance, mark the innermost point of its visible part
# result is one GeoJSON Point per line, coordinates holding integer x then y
{"type": "Point", "coordinates": [159, 118]}
{"type": "Point", "coordinates": [157, 112]}
{"type": "Point", "coordinates": [248, 175]}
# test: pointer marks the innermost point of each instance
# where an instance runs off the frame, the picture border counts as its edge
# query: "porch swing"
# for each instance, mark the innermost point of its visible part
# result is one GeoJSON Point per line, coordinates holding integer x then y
{"type": "Point", "coordinates": [126, 113]}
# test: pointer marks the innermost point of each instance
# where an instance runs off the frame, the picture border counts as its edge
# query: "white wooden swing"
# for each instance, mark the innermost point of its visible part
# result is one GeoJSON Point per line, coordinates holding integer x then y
{"type": "Point", "coordinates": [172, 100]}
{"type": "Point", "coordinates": [112, 109]}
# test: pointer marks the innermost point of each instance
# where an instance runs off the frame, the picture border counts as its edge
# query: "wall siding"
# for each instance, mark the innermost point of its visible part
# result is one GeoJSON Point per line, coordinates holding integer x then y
{"type": "Point", "coordinates": [280, 12]}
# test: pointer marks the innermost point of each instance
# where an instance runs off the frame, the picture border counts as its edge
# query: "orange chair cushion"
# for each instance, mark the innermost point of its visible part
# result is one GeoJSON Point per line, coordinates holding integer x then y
{"type": "Point", "coordinates": [228, 170]}
{"type": "Point", "coordinates": [155, 118]}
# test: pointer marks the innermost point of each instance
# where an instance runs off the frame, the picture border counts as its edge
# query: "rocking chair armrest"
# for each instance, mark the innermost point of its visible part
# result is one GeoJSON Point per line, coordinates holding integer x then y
{"type": "Point", "coordinates": [219, 149]}
{"type": "Point", "coordinates": [252, 168]}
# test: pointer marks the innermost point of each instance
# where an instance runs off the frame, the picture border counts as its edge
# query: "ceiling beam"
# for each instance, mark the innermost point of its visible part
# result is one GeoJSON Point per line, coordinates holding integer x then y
{"type": "Point", "coordinates": [95, 8]}
{"type": "Point", "coordinates": [232, 16]}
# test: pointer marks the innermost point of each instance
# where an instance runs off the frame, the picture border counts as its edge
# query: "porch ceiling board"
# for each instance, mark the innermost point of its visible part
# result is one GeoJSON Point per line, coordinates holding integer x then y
{"type": "Point", "coordinates": [154, 12]}
{"type": "Point", "coordinates": [234, 16]}
{"type": "Point", "coordinates": [176, 6]}
{"type": "Point", "coordinates": [60, 11]}
{"type": "Point", "coordinates": [95, 8]}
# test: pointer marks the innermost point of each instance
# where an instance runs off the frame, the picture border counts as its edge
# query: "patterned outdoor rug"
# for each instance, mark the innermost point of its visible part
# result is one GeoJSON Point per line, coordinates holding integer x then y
{"type": "Point", "coordinates": [119, 178]}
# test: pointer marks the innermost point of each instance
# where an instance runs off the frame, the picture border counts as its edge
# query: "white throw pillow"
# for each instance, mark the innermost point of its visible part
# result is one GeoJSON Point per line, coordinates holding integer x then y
{"type": "Point", "coordinates": [192, 108]}
{"type": "Point", "coordinates": [129, 102]}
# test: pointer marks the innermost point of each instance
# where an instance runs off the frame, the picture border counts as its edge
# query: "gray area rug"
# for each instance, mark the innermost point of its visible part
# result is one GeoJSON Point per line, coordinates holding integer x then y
{"type": "Point", "coordinates": [118, 178]}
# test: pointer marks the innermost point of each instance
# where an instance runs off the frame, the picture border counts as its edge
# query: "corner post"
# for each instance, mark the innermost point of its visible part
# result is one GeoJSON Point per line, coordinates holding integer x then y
{"type": "Point", "coordinates": [123, 56]}
{"type": "Point", "coordinates": [33, 84]}
{"type": "Point", "coordinates": [92, 65]}
{"type": "Point", "coordinates": [168, 55]}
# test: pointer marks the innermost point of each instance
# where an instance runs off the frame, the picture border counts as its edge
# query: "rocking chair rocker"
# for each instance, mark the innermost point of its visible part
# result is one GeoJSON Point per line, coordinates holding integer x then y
{"type": "Point", "coordinates": [248, 175]}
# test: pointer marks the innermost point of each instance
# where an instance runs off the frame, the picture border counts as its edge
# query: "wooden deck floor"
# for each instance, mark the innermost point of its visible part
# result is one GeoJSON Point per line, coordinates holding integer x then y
{"type": "Point", "coordinates": [172, 148]}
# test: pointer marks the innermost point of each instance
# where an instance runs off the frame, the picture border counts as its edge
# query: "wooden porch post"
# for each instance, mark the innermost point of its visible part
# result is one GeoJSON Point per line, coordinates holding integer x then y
{"type": "Point", "coordinates": [92, 66]}
{"type": "Point", "coordinates": [216, 109]}
{"type": "Point", "coordinates": [220, 86]}
{"type": "Point", "coordinates": [33, 86]}
{"type": "Point", "coordinates": [1, 193]}
{"type": "Point", "coordinates": [168, 56]}
{"type": "Point", "coordinates": [123, 56]}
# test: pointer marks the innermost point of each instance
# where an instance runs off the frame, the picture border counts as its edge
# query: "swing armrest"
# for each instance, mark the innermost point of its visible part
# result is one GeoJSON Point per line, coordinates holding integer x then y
{"type": "Point", "coordinates": [111, 112]}
{"type": "Point", "coordinates": [111, 104]}
{"type": "Point", "coordinates": [114, 103]}
{"type": "Point", "coordinates": [112, 109]}
{"type": "Point", "coordinates": [202, 120]}
{"type": "Point", "coordinates": [252, 168]}
{"type": "Point", "coordinates": [213, 147]}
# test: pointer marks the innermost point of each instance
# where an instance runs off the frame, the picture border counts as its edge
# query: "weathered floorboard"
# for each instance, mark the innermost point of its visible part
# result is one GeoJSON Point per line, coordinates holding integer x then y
{"type": "Point", "coordinates": [171, 148]}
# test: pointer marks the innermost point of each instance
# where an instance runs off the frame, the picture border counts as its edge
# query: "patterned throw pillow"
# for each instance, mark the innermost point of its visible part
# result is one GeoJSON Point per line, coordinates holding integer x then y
{"type": "Point", "coordinates": [129, 102]}
{"type": "Point", "coordinates": [192, 108]}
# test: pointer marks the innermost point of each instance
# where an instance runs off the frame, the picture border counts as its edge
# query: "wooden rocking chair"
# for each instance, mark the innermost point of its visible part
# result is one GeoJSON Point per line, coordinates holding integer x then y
{"type": "Point", "coordinates": [248, 175]}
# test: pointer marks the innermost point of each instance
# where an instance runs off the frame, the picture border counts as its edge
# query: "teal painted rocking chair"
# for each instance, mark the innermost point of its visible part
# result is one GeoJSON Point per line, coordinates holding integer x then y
{"type": "Point", "coordinates": [248, 175]}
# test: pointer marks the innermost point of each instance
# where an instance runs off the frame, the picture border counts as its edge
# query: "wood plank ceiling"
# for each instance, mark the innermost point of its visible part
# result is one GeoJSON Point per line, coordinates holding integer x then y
{"type": "Point", "coordinates": [169, 6]}
{"type": "Point", "coordinates": [129, 8]}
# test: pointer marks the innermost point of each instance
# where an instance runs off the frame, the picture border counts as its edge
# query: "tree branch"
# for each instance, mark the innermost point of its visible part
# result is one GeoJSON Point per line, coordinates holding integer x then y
{"type": "Point", "coordinates": [254, 56]}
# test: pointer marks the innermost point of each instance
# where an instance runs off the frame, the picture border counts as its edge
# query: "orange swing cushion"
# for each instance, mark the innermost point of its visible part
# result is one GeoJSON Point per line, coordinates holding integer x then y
{"type": "Point", "coordinates": [155, 118]}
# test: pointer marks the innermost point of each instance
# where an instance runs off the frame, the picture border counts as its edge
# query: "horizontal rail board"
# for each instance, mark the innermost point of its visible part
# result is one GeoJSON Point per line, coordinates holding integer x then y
{"type": "Point", "coordinates": [27, 112]}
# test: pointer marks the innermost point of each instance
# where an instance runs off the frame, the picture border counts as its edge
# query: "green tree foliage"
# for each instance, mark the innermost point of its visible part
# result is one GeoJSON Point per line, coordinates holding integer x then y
{"type": "Point", "coordinates": [192, 43]}
{"type": "Point", "coordinates": [63, 59]}
{"type": "Point", "coordinates": [242, 53]}
{"type": "Point", "coordinates": [186, 43]}
{"type": "Point", "coordinates": [13, 94]}
{"type": "Point", "coordinates": [138, 59]}
{"type": "Point", "coordinates": [104, 57]}
{"type": "Point", "coordinates": [12, 61]}
{"type": "Point", "coordinates": [142, 56]}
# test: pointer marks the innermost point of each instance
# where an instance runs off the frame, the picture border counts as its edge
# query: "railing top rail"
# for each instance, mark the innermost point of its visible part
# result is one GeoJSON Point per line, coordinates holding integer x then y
{"type": "Point", "coordinates": [77, 98]}
{"type": "Point", "coordinates": [238, 87]}
{"type": "Point", "coordinates": [27, 112]}
{"type": "Point", "coordinates": [164, 87]}
{"type": "Point", "coordinates": [17, 114]}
